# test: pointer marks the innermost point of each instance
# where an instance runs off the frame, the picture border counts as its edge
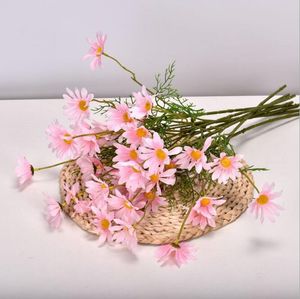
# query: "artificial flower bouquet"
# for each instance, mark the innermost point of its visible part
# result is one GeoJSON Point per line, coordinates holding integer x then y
{"type": "Point", "coordinates": [158, 170]}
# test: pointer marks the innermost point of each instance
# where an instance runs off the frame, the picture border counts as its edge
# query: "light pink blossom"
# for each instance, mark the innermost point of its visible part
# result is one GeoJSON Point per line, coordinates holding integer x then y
{"type": "Point", "coordinates": [125, 210]}
{"type": "Point", "coordinates": [24, 170]}
{"type": "Point", "coordinates": [264, 205]}
{"type": "Point", "coordinates": [175, 254]}
{"type": "Point", "coordinates": [89, 166]}
{"type": "Point", "coordinates": [71, 193]}
{"type": "Point", "coordinates": [192, 157]}
{"type": "Point", "coordinates": [98, 190]}
{"type": "Point", "coordinates": [136, 135]}
{"type": "Point", "coordinates": [103, 223]}
{"type": "Point", "coordinates": [204, 212]}
{"type": "Point", "coordinates": [154, 154]}
{"type": "Point", "coordinates": [119, 118]}
{"type": "Point", "coordinates": [125, 154]}
{"type": "Point", "coordinates": [82, 206]}
{"type": "Point", "coordinates": [154, 201]}
{"type": "Point", "coordinates": [132, 175]}
{"type": "Point", "coordinates": [143, 104]}
{"type": "Point", "coordinates": [226, 167]}
{"type": "Point", "coordinates": [96, 51]}
{"type": "Point", "coordinates": [54, 213]}
{"type": "Point", "coordinates": [125, 234]}
{"type": "Point", "coordinates": [61, 141]}
{"type": "Point", "coordinates": [167, 177]}
{"type": "Point", "coordinates": [77, 104]}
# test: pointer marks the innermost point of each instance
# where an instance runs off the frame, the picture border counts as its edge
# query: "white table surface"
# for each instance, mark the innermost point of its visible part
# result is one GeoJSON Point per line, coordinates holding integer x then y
{"type": "Point", "coordinates": [243, 260]}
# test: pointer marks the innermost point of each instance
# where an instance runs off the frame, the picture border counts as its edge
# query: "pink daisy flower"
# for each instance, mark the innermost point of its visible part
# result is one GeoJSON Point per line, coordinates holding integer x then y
{"type": "Point", "coordinates": [98, 190]}
{"type": "Point", "coordinates": [264, 205]}
{"type": "Point", "coordinates": [125, 210]}
{"type": "Point", "coordinates": [71, 192]}
{"type": "Point", "coordinates": [125, 154]}
{"type": "Point", "coordinates": [204, 212]}
{"type": "Point", "coordinates": [96, 50]}
{"type": "Point", "coordinates": [192, 157]}
{"type": "Point", "coordinates": [119, 118]}
{"type": "Point", "coordinates": [136, 135]}
{"type": "Point", "coordinates": [77, 107]}
{"type": "Point", "coordinates": [226, 167]}
{"type": "Point", "coordinates": [143, 104]}
{"type": "Point", "coordinates": [125, 234]}
{"type": "Point", "coordinates": [82, 206]}
{"type": "Point", "coordinates": [54, 213]}
{"type": "Point", "coordinates": [61, 141]}
{"type": "Point", "coordinates": [87, 145]}
{"type": "Point", "coordinates": [89, 166]}
{"type": "Point", "coordinates": [24, 170]}
{"type": "Point", "coordinates": [103, 222]}
{"type": "Point", "coordinates": [132, 175]}
{"type": "Point", "coordinates": [154, 154]}
{"type": "Point", "coordinates": [154, 201]}
{"type": "Point", "coordinates": [167, 177]}
{"type": "Point", "coordinates": [175, 254]}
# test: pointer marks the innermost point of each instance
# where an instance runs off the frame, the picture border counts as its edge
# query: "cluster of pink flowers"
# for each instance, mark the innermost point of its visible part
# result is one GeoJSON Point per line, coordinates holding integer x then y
{"type": "Point", "coordinates": [121, 194]}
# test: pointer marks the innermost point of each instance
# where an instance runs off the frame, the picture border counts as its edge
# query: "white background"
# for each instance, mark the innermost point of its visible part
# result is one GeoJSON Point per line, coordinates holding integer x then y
{"type": "Point", "coordinates": [232, 47]}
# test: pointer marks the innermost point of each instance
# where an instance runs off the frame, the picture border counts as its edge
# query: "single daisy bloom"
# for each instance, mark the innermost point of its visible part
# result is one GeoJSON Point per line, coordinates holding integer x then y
{"type": "Point", "coordinates": [132, 175]}
{"type": "Point", "coordinates": [98, 190]}
{"type": "Point", "coordinates": [54, 213]}
{"type": "Point", "coordinates": [226, 167]}
{"type": "Point", "coordinates": [61, 141]}
{"type": "Point", "coordinates": [154, 200]}
{"type": "Point", "coordinates": [167, 177]}
{"type": "Point", "coordinates": [82, 206]}
{"type": "Point", "coordinates": [71, 192]}
{"type": "Point", "coordinates": [177, 254]}
{"type": "Point", "coordinates": [89, 166]}
{"type": "Point", "coordinates": [24, 170]}
{"type": "Point", "coordinates": [125, 210]}
{"type": "Point", "coordinates": [125, 234]}
{"type": "Point", "coordinates": [103, 223]}
{"type": "Point", "coordinates": [96, 50]}
{"type": "Point", "coordinates": [264, 205]}
{"type": "Point", "coordinates": [192, 157]}
{"type": "Point", "coordinates": [143, 104]}
{"type": "Point", "coordinates": [154, 154]}
{"type": "Point", "coordinates": [204, 212]}
{"type": "Point", "coordinates": [136, 135]}
{"type": "Point", "coordinates": [125, 154]}
{"type": "Point", "coordinates": [77, 104]}
{"type": "Point", "coordinates": [119, 118]}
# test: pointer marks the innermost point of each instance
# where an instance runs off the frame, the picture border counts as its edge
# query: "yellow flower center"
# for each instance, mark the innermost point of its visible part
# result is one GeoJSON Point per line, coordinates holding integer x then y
{"type": "Point", "coordinates": [127, 118]}
{"type": "Point", "coordinates": [99, 51]}
{"type": "Point", "coordinates": [150, 195]}
{"type": "Point", "coordinates": [196, 154]}
{"type": "Point", "coordinates": [154, 178]}
{"type": "Point", "coordinates": [105, 223]}
{"type": "Point", "coordinates": [141, 132]}
{"type": "Point", "coordinates": [205, 202]}
{"type": "Point", "coordinates": [160, 154]}
{"type": "Point", "coordinates": [127, 205]}
{"type": "Point", "coordinates": [133, 154]}
{"type": "Point", "coordinates": [225, 162]}
{"type": "Point", "coordinates": [148, 106]}
{"type": "Point", "coordinates": [171, 165]}
{"type": "Point", "coordinates": [262, 199]}
{"type": "Point", "coordinates": [103, 186]}
{"type": "Point", "coordinates": [83, 105]}
{"type": "Point", "coordinates": [68, 140]}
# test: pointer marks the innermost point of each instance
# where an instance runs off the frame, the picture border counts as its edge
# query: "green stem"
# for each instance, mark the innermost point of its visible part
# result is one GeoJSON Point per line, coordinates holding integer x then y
{"type": "Point", "coordinates": [54, 165]}
{"type": "Point", "coordinates": [249, 180]}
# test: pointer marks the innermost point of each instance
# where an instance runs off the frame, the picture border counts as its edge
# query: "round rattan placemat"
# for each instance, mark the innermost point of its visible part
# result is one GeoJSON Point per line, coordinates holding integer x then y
{"type": "Point", "coordinates": [162, 227]}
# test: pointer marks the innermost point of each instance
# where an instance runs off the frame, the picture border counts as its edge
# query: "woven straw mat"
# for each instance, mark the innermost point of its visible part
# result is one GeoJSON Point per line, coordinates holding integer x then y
{"type": "Point", "coordinates": [162, 227]}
